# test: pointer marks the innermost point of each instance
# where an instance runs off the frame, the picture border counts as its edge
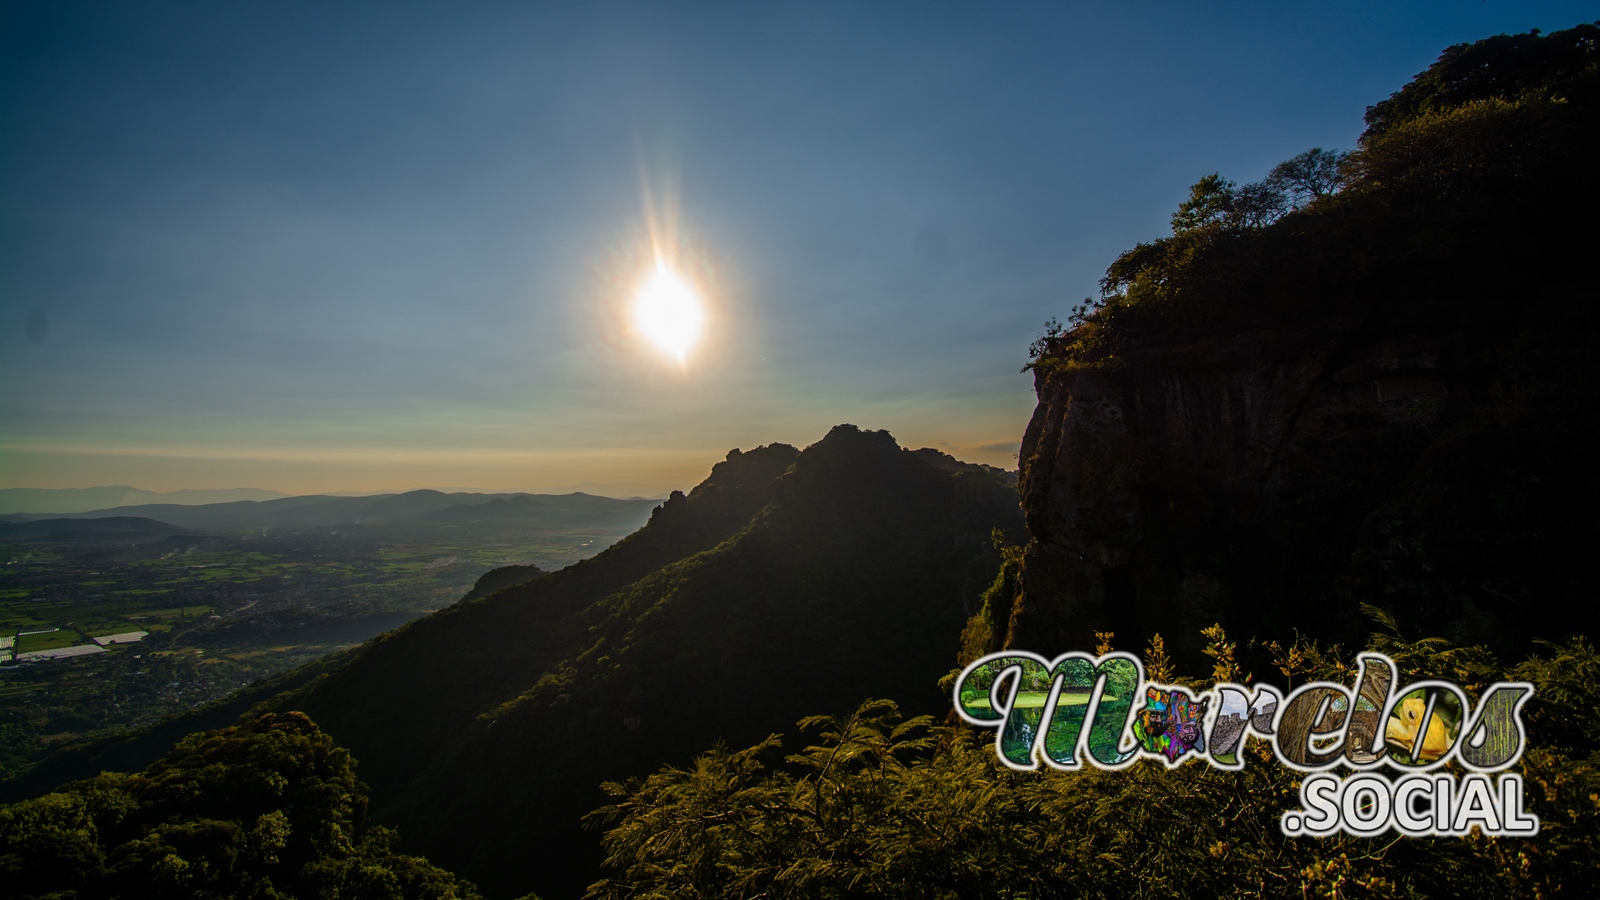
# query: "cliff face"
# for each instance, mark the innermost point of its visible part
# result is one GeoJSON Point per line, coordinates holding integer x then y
{"type": "Point", "coordinates": [1209, 481]}
{"type": "Point", "coordinates": [1276, 485]}
{"type": "Point", "coordinates": [1385, 395]}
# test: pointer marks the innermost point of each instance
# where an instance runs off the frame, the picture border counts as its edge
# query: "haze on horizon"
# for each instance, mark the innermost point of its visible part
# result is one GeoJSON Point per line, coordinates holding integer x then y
{"type": "Point", "coordinates": [308, 249]}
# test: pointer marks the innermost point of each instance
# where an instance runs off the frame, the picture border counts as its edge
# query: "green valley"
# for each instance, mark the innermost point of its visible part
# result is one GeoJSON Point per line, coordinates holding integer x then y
{"type": "Point", "coordinates": [103, 631]}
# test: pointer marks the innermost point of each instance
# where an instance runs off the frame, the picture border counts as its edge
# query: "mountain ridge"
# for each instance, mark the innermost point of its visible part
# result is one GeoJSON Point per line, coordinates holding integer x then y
{"type": "Point", "coordinates": [62, 501]}
{"type": "Point", "coordinates": [108, 528]}
{"type": "Point", "coordinates": [321, 510]}
{"type": "Point", "coordinates": [854, 552]}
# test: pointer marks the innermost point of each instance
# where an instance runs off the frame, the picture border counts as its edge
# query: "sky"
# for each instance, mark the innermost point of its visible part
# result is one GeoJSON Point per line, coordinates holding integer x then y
{"type": "Point", "coordinates": [358, 247]}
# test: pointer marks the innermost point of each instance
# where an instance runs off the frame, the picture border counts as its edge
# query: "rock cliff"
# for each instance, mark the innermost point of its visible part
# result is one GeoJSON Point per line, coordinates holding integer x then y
{"type": "Point", "coordinates": [1384, 395]}
{"type": "Point", "coordinates": [1214, 481]}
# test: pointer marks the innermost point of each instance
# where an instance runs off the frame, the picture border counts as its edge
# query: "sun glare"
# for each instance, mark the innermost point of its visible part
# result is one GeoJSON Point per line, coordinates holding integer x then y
{"type": "Point", "coordinates": [667, 312]}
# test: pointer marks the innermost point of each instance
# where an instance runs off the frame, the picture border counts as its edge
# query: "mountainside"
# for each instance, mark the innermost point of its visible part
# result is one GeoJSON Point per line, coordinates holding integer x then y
{"type": "Point", "coordinates": [425, 506]}
{"type": "Point", "coordinates": [110, 528]}
{"type": "Point", "coordinates": [496, 580]}
{"type": "Point", "coordinates": [788, 581]}
{"type": "Point", "coordinates": [1386, 393]}
{"type": "Point", "coordinates": [60, 501]}
{"type": "Point", "coordinates": [574, 509]}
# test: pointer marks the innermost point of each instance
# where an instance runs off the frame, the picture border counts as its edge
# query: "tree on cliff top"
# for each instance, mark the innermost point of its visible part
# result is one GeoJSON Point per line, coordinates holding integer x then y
{"type": "Point", "coordinates": [1558, 66]}
{"type": "Point", "coordinates": [1502, 131]}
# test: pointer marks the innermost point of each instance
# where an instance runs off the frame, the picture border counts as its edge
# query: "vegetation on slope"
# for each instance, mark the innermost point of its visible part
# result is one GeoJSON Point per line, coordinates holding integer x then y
{"type": "Point", "coordinates": [887, 807]}
{"type": "Point", "coordinates": [268, 809]}
{"type": "Point", "coordinates": [1461, 197]}
{"type": "Point", "coordinates": [789, 581]}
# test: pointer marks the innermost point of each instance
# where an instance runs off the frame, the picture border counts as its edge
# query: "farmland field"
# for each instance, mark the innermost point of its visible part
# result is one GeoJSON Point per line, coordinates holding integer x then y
{"type": "Point", "coordinates": [222, 611]}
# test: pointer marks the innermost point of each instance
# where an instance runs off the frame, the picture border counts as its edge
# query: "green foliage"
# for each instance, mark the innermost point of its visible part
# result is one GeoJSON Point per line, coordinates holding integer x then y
{"type": "Point", "coordinates": [1219, 648]}
{"type": "Point", "coordinates": [1310, 175]}
{"type": "Point", "coordinates": [1209, 201]}
{"type": "Point", "coordinates": [871, 811]}
{"type": "Point", "coordinates": [1157, 664]}
{"type": "Point", "coordinates": [270, 809]}
{"type": "Point", "coordinates": [1480, 145]}
{"type": "Point", "coordinates": [986, 629]}
{"type": "Point", "coordinates": [1556, 66]}
{"type": "Point", "coordinates": [1053, 330]}
{"type": "Point", "coordinates": [1494, 139]}
{"type": "Point", "coordinates": [1562, 760]}
{"type": "Point", "coordinates": [850, 817]}
{"type": "Point", "coordinates": [1216, 204]}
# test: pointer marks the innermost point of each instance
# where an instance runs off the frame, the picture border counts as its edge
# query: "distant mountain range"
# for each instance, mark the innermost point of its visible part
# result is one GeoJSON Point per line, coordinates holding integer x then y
{"type": "Point", "coordinates": [108, 529]}
{"type": "Point", "coordinates": [432, 507]}
{"type": "Point", "coordinates": [63, 501]}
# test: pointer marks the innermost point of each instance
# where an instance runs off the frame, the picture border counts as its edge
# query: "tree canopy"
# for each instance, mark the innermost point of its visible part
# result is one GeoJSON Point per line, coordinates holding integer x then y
{"type": "Point", "coordinates": [269, 809]}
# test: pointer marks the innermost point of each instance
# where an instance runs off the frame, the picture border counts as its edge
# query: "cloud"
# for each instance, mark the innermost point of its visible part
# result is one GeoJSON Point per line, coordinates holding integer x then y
{"type": "Point", "coordinates": [996, 447]}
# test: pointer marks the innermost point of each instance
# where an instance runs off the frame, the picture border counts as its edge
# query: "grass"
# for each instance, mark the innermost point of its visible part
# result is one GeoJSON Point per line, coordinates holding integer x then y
{"type": "Point", "coordinates": [53, 640]}
{"type": "Point", "coordinates": [1036, 699]}
{"type": "Point", "coordinates": [19, 622]}
{"type": "Point", "coordinates": [176, 612]}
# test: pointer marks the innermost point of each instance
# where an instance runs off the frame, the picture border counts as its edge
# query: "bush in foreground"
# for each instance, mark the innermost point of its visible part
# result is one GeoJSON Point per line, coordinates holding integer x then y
{"type": "Point", "coordinates": [897, 809]}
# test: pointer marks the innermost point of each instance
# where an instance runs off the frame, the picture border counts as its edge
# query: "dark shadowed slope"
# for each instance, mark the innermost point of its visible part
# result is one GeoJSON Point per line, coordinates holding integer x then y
{"type": "Point", "coordinates": [785, 583]}
{"type": "Point", "coordinates": [496, 580]}
{"type": "Point", "coordinates": [112, 528]}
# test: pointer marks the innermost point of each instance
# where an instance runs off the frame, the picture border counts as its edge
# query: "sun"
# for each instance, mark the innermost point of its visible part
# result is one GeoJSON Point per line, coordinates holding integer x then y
{"type": "Point", "coordinates": [667, 312]}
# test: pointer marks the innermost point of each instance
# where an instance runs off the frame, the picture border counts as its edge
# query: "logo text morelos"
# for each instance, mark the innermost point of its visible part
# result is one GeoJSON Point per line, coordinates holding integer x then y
{"type": "Point", "coordinates": [1078, 709]}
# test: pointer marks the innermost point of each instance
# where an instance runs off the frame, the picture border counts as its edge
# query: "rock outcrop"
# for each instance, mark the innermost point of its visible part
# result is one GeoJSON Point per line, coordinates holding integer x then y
{"type": "Point", "coordinates": [1215, 481]}
{"type": "Point", "coordinates": [1385, 395]}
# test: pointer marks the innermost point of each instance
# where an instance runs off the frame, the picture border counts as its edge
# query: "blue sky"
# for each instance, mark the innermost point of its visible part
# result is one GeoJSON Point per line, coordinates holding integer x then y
{"type": "Point", "coordinates": [387, 246]}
